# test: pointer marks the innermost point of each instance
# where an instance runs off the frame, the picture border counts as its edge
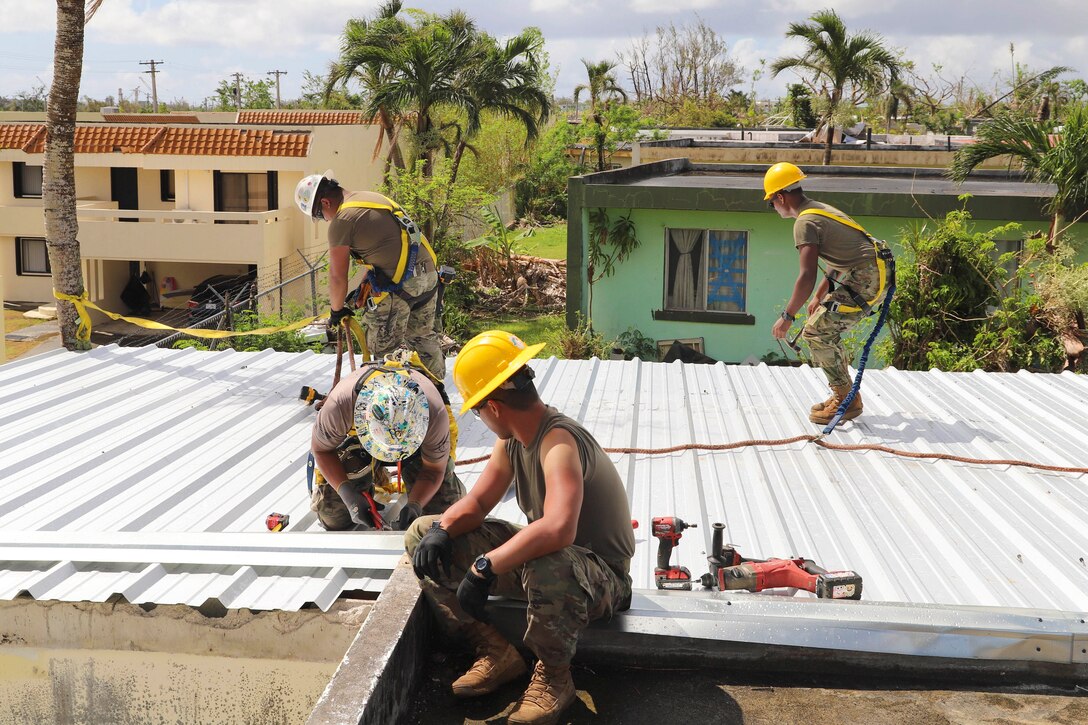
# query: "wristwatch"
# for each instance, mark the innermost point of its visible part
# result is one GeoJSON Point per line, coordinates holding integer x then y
{"type": "Point", "coordinates": [483, 567]}
{"type": "Point", "coordinates": [788, 317]}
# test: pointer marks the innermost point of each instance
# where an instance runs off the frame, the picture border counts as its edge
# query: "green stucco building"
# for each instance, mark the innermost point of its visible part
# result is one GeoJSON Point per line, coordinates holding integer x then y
{"type": "Point", "coordinates": [716, 266]}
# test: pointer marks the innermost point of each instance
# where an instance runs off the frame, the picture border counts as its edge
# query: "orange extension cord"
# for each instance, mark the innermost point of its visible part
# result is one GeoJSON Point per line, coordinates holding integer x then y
{"type": "Point", "coordinates": [824, 444]}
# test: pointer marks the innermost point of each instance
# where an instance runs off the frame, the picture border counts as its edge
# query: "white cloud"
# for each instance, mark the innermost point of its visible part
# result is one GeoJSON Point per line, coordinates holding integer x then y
{"type": "Point", "coordinates": [18, 20]}
{"type": "Point", "coordinates": [574, 7]}
{"type": "Point", "coordinates": [270, 26]}
{"type": "Point", "coordinates": [674, 6]}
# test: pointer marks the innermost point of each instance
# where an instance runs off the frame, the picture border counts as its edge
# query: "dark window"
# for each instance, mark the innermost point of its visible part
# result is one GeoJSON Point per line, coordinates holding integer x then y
{"type": "Point", "coordinates": [166, 184]}
{"type": "Point", "coordinates": [27, 180]}
{"type": "Point", "coordinates": [245, 192]}
{"type": "Point", "coordinates": [31, 257]}
{"type": "Point", "coordinates": [706, 270]}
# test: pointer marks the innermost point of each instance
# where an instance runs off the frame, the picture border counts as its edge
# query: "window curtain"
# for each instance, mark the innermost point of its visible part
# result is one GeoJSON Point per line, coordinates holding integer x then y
{"type": "Point", "coordinates": [687, 282]}
{"type": "Point", "coordinates": [728, 264]}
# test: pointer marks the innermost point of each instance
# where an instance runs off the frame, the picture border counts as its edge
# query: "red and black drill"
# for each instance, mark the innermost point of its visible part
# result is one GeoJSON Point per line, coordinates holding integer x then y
{"type": "Point", "coordinates": [667, 529]}
{"type": "Point", "coordinates": [729, 570]}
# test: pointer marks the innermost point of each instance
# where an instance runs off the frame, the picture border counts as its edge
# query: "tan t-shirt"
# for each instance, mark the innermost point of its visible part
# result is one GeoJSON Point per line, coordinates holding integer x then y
{"type": "Point", "coordinates": [604, 522]}
{"type": "Point", "coordinates": [840, 246]}
{"type": "Point", "coordinates": [337, 416]}
{"type": "Point", "coordinates": [373, 235]}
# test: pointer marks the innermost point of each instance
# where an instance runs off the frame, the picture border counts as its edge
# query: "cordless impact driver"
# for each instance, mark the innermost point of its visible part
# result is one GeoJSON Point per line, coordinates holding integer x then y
{"type": "Point", "coordinates": [667, 529]}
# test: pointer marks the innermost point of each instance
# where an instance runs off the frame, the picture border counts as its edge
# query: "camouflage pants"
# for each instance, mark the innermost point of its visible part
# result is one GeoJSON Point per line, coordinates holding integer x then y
{"type": "Point", "coordinates": [394, 324]}
{"type": "Point", "coordinates": [331, 510]}
{"type": "Point", "coordinates": [565, 590]}
{"type": "Point", "coordinates": [824, 329]}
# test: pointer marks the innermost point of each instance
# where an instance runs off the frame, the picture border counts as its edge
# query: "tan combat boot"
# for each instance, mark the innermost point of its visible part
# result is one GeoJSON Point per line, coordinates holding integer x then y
{"type": "Point", "coordinates": [824, 416]}
{"type": "Point", "coordinates": [823, 403]}
{"type": "Point", "coordinates": [497, 662]}
{"type": "Point", "coordinates": [550, 692]}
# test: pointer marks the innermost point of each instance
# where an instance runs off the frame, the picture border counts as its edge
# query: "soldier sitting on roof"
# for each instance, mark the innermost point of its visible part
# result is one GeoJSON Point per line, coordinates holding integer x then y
{"type": "Point", "coordinates": [384, 412]}
{"type": "Point", "coordinates": [571, 563]}
{"type": "Point", "coordinates": [402, 271]}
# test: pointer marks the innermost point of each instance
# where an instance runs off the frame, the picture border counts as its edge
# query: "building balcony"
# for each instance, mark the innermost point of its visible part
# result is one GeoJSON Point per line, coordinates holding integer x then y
{"type": "Point", "coordinates": [106, 232]}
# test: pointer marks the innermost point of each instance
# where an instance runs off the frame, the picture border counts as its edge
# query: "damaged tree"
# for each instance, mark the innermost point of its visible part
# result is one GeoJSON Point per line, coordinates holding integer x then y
{"type": "Point", "coordinates": [59, 179]}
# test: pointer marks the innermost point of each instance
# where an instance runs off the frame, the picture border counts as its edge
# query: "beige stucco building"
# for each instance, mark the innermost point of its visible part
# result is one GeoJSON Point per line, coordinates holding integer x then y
{"type": "Point", "coordinates": [179, 196]}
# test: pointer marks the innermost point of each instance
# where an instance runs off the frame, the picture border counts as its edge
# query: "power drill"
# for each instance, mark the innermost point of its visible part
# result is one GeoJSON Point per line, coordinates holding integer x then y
{"type": "Point", "coordinates": [667, 529]}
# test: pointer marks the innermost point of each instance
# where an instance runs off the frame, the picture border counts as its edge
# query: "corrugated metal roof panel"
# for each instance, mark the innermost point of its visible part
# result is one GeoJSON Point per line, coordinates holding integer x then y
{"type": "Point", "coordinates": [118, 443]}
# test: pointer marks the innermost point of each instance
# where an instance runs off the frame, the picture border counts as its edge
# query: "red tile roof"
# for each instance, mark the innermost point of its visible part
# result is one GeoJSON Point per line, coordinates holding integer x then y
{"type": "Point", "coordinates": [150, 118]}
{"type": "Point", "coordinates": [19, 135]}
{"type": "Point", "coordinates": [232, 142]}
{"type": "Point", "coordinates": [193, 141]}
{"type": "Point", "coordinates": [303, 118]}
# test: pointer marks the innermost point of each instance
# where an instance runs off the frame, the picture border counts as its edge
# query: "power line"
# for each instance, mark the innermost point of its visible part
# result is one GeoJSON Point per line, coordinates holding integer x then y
{"type": "Point", "coordinates": [277, 73]}
{"type": "Point", "coordinates": [154, 87]}
{"type": "Point", "coordinates": [237, 91]}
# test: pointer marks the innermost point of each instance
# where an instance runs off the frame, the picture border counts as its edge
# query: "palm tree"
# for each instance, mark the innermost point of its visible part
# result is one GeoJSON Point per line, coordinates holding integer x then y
{"type": "Point", "coordinates": [603, 88]}
{"type": "Point", "coordinates": [355, 63]}
{"type": "Point", "coordinates": [59, 178]}
{"type": "Point", "coordinates": [506, 80]}
{"type": "Point", "coordinates": [425, 73]}
{"type": "Point", "coordinates": [1047, 154]}
{"type": "Point", "coordinates": [835, 61]}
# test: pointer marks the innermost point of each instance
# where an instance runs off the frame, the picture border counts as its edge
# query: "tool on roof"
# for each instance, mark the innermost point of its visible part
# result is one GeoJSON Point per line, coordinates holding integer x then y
{"type": "Point", "coordinates": [277, 522]}
{"type": "Point", "coordinates": [729, 570]}
{"type": "Point", "coordinates": [668, 529]}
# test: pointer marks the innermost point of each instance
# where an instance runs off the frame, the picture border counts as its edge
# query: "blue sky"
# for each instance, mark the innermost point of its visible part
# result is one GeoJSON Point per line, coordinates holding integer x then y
{"type": "Point", "coordinates": [204, 41]}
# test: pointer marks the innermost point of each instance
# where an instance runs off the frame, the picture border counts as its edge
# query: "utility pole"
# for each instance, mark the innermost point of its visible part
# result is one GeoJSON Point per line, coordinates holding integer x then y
{"type": "Point", "coordinates": [154, 88]}
{"type": "Point", "coordinates": [277, 73]}
{"type": "Point", "coordinates": [237, 91]}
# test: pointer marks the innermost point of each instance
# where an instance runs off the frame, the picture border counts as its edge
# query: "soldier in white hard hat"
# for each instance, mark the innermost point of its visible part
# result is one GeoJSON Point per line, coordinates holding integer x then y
{"type": "Point", "coordinates": [401, 285]}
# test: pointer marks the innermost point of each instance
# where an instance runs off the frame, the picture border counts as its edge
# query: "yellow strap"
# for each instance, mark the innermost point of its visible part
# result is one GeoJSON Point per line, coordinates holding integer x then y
{"type": "Point", "coordinates": [880, 266]}
{"type": "Point", "coordinates": [84, 331]}
{"type": "Point", "coordinates": [356, 331]}
{"type": "Point", "coordinates": [395, 209]}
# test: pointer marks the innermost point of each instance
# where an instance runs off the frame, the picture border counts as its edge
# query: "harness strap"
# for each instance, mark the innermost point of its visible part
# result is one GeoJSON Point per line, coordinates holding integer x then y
{"type": "Point", "coordinates": [410, 237]}
{"type": "Point", "coordinates": [885, 264]}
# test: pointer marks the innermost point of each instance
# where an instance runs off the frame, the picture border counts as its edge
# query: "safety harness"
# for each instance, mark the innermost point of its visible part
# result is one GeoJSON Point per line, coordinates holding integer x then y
{"type": "Point", "coordinates": [885, 262]}
{"type": "Point", "coordinates": [411, 239]}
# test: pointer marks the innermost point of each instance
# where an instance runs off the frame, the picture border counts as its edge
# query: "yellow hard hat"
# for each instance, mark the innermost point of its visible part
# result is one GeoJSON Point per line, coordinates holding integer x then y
{"type": "Point", "coordinates": [486, 361]}
{"type": "Point", "coordinates": [781, 176]}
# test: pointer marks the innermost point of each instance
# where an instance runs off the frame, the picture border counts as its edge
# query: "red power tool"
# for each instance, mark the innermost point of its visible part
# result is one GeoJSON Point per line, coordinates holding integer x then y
{"type": "Point", "coordinates": [667, 530]}
{"type": "Point", "coordinates": [729, 570]}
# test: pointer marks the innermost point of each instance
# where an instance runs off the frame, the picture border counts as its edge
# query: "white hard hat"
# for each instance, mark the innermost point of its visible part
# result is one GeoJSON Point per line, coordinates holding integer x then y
{"type": "Point", "coordinates": [306, 191]}
{"type": "Point", "coordinates": [391, 415]}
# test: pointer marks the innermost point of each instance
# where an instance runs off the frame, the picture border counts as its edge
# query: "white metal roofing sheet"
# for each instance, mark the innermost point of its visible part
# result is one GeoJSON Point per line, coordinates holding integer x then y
{"type": "Point", "coordinates": [149, 473]}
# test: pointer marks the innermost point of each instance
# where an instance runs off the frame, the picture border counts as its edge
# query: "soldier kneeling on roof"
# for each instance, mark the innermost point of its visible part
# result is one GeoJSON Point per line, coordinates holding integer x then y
{"type": "Point", "coordinates": [389, 412]}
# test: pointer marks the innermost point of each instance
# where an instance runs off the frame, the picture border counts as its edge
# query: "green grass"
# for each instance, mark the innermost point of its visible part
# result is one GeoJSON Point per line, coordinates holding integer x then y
{"type": "Point", "coordinates": [547, 242]}
{"type": "Point", "coordinates": [541, 328]}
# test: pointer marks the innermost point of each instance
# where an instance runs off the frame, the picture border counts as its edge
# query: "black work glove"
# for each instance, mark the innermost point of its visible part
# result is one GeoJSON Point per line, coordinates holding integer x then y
{"type": "Point", "coordinates": [472, 594]}
{"type": "Point", "coordinates": [408, 514]}
{"type": "Point", "coordinates": [435, 547]}
{"type": "Point", "coordinates": [336, 315]}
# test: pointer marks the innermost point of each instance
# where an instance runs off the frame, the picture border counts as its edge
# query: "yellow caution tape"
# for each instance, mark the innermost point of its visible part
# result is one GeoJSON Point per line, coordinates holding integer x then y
{"type": "Point", "coordinates": [83, 332]}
